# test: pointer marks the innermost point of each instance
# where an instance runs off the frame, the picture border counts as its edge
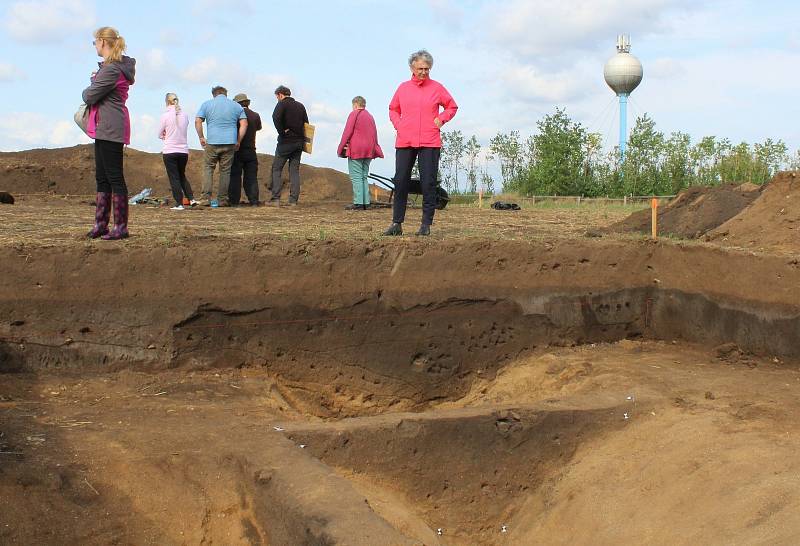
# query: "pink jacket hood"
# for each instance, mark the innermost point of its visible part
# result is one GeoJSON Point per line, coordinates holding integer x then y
{"type": "Point", "coordinates": [413, 109]}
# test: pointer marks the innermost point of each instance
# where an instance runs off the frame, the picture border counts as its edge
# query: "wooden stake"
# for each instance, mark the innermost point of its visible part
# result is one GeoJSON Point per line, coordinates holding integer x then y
{"type": "Point", "coordinates": [654, 218]}
{"type": "Point", "coordinates": [480, 198]}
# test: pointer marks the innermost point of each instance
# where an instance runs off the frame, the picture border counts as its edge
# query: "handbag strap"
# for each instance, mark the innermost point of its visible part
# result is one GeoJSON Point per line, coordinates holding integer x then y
{"type": "Point", "coordinates": [354, 125]}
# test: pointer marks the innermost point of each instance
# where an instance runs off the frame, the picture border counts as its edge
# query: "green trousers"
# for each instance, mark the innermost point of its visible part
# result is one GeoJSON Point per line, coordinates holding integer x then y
{"type": "Point", "coordinates": [359, 169]}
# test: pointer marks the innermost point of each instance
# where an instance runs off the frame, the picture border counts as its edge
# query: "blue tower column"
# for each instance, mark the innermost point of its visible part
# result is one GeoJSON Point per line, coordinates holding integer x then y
{"type": "Point", "coordinates": [623, 125]}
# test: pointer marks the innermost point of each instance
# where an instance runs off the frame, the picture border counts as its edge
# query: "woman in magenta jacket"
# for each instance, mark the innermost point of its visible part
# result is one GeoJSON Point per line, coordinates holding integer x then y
{"type": "Point", "coordinates": [359, 144]}
{"type": "Point", "coordinates": [109, 125]}
{"type": "Point", "coordinates": [418, 110]}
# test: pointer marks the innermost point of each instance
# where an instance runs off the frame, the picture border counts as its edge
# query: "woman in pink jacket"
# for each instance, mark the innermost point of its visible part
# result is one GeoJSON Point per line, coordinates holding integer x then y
{"type": "Point", "coordinates": [109, 124]}
{"type": "Point", "coordinates": [172, 130]}
{"type": "Point", "coordinates": [359, 144]}
{"type": "Point", "coordinates": [418, 110]}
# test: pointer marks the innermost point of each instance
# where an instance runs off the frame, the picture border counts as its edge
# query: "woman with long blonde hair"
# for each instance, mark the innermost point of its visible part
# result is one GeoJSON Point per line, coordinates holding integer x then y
{"type": "Point", "coordinates": [109, 125]}
{"type": "Point", "coordinates": [172, 130]}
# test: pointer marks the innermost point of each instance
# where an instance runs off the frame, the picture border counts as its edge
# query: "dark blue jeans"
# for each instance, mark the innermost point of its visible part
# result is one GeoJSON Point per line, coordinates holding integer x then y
{"type": "Point", "coordinates": [428, 172]}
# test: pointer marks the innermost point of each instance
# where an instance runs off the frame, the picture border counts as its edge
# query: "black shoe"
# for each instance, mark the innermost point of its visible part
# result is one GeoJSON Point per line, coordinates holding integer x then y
{"type": "Point", "coordinates": [424, 230]}
{"type": "Point", "coordinates": [364, 207]}
{"type": "Point", "coordinates": [394, 229]}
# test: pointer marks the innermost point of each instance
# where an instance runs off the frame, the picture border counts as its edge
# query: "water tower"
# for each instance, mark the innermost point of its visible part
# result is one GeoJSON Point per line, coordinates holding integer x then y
{"type": "Point", "coordinates": [623, 74]}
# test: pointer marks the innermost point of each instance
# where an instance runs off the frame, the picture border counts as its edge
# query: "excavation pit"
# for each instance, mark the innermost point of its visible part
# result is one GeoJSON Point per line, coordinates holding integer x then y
{"type": "Point", "coordinates": [352, 390]}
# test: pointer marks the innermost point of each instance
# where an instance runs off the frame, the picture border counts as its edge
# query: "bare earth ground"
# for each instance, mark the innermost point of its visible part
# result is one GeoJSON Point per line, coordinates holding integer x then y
{"type": "Point", "coordinates": [205, 425]}
{"type": "Point", "coordinates": [680, 448]}
{"type": "Point", "coordinates": [38, 221]}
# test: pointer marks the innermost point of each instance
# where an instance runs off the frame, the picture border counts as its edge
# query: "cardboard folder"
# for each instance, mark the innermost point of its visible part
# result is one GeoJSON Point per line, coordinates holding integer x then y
{"type": "Point", "coordinates": [308, 133]}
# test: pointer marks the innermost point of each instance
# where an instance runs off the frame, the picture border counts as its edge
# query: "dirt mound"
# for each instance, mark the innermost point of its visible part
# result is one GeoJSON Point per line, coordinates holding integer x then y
{"type": "Point", "coordinates": [694, 212]}
{"type": "Point", "coordinates": [71, 171]}
{"type": "Point", "coordinates": [772, 221]}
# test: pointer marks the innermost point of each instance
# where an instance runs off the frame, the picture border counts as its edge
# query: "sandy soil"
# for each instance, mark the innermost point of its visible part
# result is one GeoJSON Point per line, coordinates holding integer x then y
{"type": "Point", "coordinates": [650, 442]}
{"type": "Point", "coordinates": [286, 376]}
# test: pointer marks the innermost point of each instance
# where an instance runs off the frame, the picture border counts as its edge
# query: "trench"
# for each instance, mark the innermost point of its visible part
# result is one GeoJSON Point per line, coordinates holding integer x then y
{"type": "Point", "coordinates": [370, 366]}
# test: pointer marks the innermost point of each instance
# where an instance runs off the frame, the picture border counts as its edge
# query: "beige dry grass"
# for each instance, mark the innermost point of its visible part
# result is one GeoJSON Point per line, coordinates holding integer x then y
{"type": "Point", "coordinates": [37, 221]}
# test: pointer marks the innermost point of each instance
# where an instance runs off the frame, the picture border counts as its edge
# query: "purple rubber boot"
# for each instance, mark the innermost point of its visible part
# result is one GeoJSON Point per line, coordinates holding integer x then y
{"type": "Point", "coordinates": [120, 230]}
{"type": "Point", "coordinates": [101, 215]}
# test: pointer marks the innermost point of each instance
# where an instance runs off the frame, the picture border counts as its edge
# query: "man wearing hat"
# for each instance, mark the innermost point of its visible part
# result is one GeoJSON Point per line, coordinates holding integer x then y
{"type": "Point", "coordinates": [245, 160]}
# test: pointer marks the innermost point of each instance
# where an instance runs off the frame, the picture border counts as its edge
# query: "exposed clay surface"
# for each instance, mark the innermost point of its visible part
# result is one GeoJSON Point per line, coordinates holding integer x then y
{"type": "Point", "coordinates": [253, 388]}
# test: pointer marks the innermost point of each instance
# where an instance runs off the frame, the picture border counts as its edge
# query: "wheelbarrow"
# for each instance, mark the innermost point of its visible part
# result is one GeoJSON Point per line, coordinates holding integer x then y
{"type": "Point", "coordinates": [415, 188]}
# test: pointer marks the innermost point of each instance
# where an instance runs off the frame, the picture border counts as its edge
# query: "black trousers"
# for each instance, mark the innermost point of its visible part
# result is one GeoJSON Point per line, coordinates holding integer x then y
{"type": "Point", "coordinates": [108, 167]}
{"type": "Point", "coordinates": [428, 172]}
{"type": "Point", "coordinates": [175, 164]}
{"type": "Point", "coordinates": [245, 162]}
{"type": "Point", "coordinates": [291, 152]}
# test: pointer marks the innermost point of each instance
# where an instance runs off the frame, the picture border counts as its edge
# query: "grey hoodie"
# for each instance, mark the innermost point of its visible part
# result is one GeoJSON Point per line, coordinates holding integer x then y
{"type": "Point", "coordinates": [106, 96]}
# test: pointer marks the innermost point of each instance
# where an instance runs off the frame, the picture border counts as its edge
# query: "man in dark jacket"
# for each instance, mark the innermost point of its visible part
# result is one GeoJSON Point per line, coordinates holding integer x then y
{"type": "Point", "coordinates": [289, 118]}
{"type": "Point", "coordinates": [245, 160]}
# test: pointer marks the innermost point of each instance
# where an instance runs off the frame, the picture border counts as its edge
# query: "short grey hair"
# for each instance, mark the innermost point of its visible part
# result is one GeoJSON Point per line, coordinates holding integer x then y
{"type": "Point", "coordinates": [421, 55]}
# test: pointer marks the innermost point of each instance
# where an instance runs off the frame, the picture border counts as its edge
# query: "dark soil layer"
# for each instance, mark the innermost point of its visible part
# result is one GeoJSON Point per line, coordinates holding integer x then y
{"type": "Point", "coordinates": [71, 171]}
{"type": "Point", "coordinates": [365, 302]}
{"type": "Point", "coordinates": [693, 212]}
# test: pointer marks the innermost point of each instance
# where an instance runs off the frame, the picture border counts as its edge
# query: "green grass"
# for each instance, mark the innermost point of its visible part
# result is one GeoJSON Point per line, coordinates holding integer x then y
{"type": "Point", "coordinates": [557, 205]}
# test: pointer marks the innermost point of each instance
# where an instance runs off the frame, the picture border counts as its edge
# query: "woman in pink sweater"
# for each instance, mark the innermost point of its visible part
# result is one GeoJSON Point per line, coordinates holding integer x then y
{"type": "Point", "coordinates": [418, 110]}
{"type": "Point", "coordinates": [174, 124]}
{"type": "Point", "coordinates": [359, 144]}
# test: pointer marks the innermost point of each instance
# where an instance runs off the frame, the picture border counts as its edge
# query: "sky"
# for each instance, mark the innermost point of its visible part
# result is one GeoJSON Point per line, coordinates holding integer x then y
{"type": "Point", "coordinates": [722, 68]}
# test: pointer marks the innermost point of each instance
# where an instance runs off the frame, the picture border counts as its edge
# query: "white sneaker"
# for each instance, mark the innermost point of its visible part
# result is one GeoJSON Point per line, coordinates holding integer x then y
{"type": "Point", "coordinates": [179, 207]}
{"type": "Point", "coordinates": [192, 203]}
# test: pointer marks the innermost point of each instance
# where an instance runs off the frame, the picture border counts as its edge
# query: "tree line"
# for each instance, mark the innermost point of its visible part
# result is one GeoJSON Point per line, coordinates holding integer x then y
{"type": "Point", "coordinates": [563, 158]}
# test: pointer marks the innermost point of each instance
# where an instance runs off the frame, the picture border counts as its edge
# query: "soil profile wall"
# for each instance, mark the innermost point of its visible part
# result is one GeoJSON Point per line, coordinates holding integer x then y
{"type": "Point", "coordinates": [415, 321]}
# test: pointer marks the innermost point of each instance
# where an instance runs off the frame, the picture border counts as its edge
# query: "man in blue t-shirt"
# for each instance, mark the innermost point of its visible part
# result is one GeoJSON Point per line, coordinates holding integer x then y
{"type": "Point", "coordinates": [225, 134]}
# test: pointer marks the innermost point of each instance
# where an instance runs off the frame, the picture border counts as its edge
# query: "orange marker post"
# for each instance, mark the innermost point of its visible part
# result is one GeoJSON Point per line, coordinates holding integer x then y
{"type": "Point", "coordinates": [654, 218]}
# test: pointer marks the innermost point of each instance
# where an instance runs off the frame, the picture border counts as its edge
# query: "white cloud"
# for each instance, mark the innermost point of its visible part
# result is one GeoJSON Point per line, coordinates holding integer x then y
{"type": "Point", "coordinates": [48, 21]}
{"type": "Point", "coordinates": [21, 130]}
{"type": "Point", "coordinates": [10, 73]}
{"type": "Point", "coordinates": [154, 69]}
{"type": "Point", "coordinates": [542, 29]}
{"type": "Point", "coordinates": [527, 83]}
{"type": "Point", "coordinates": [322, 113]}
{"type": "Point", "coordinates": [143, 133]}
